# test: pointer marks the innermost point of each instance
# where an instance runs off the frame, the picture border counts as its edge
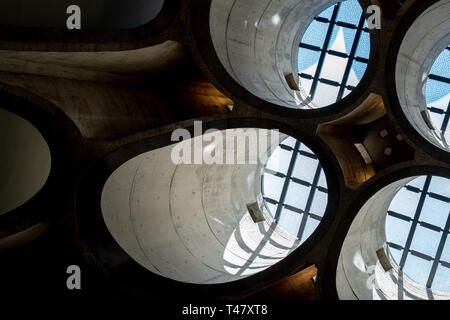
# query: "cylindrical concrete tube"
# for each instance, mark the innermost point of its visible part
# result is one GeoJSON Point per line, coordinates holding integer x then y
{"type": "Point", "coordinates": [190, 222]}
{"type": "Point", "coordinates": [258, 42]}
{"type": "Point", "coordinates": [360, 274]}
{"type": "Point", "coordinates": [422, 44]}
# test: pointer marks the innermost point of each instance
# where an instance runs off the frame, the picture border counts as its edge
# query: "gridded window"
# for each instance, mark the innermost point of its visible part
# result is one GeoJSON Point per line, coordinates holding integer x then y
{"type": "Point", "coordinates": [417, 231]}
{"type": "Point", "coordinates": [334, 53]}
{"type": "Point", "coordinates": [294, 188]}
{"type": "Point", "coordinates": [438, 93]}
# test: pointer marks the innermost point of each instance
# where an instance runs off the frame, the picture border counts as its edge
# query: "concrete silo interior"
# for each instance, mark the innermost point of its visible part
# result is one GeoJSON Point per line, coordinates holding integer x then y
{"type": "Point", "coordinates": [225, 150]}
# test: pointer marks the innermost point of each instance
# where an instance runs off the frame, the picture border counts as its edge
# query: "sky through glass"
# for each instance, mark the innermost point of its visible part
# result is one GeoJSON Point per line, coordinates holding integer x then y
{"type": "Point", "coordinates": [294, 188]}
{"type": "Point", "coordinates": [437, 93]}
{"type": "Point", "coordinates": [334, 53]}
{"type": "Point", "coordinates": [417, 231]}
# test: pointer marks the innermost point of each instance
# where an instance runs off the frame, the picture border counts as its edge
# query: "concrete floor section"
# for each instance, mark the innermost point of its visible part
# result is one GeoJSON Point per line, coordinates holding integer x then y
{"type": "Point", "coordinates": [25, 164]}
{"type": "Point", "coordinates": [427, 37]}
{"type": "Point", "coordinates": [190, 222]}
{"type": "Point", "coordinates": [258, 42]}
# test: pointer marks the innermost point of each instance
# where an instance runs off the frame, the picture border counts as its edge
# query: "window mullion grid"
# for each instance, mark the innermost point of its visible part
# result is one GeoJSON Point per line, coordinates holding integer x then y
{"type": "Point", "coordinates": [312, 92]}
{"type": "Point", "coordinates": [446, 119]}
{"type": "Point", "coordinates": [287, 181]}
{"type": "Point", "coordinates": [415, 222]}
{"type": "Point", "coordinates": [309, 202]}
{"type": "Point", "coordinates": [351, 57]}
{"type": "Point", "coordinates": [438, 256]}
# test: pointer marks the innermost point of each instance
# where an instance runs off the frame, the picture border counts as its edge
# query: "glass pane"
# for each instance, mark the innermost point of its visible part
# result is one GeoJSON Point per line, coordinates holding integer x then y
{"type": "Point", "coordinates": [446, 253]}
{"type": "Point", "coordinates": [305, 168]}
{"type": "Point", "coordinates": [363, 49]}
{"type": "Point", "coordinates": [418, 182]}
{"type": "Point", "coordinates": [350, 12]}
{"type": "Point", "coordinates": [322, 179]}
{"type": "Point", "coordinates": [441, 280]}
{"type": "Point", "coordinates": [272, 208]}
{"type": "Point", "coordinates": [319, 203]}
{"type": "Point", "coordinates": [426, 241]}
{"type": "Point", "coordinates": [279, 160]}
{"type": "Point", "coordinates": [435, 212]}
{"type": "Point", "coordinates": [405, 202]}
{"type": "Point", "coordinates": [417, 269]}
{"type": "Point", "coordinates": [290, 220]}
{"type": "Point", "coordinates": [440, 185]}
{"type": "Point", "coordinates": [396, 254]}
{"type": "Point", "coordinates": [327, 13]}
{"type": "Point", "coordinates": [311, 225]}
{"type": "Point", "coordinates": [297, 195]}
{"type": "Point", "coordinates": [289, 141]}
{"type": "Point", "coordinates": [359, 68]}
{"type": "Point", "coordinates": [307, 61]}
{"type": "Point", "coordinates": [272, 186]}
{"type": "Point", "coordinates": [397, 230]}
{"type": "Point", "coordinates": [315, 33]}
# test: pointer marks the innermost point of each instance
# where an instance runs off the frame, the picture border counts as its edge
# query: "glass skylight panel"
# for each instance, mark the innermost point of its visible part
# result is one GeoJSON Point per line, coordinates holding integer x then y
{"type": "Point", "coordinates": [397, 230]}
{"type": "Point", "coordinates": [301, 199]}
{"type": "Point", "coordinates": [290, 221]}
{"type": "Point", "coordinates": [417, 231]}
{"type": "Point", "coordinates": [417, 269]}
{"type": "Point", "coordinates": [328, 67]}
{"type": "Point", "coordinates": [442, 279]}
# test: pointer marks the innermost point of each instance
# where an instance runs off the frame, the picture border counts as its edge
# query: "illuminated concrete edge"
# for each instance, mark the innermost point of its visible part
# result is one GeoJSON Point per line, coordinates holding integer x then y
{"type": "Point", "coordinates": [422, 44]}
{"type": "Point", "coordinates": [257, 43]}
{"type": "Point", "coordinates": [358, 266]}
{"type": "Point", "coordinates": [26, 161]}
{"type": "Point", "coordinates": [190, 222]}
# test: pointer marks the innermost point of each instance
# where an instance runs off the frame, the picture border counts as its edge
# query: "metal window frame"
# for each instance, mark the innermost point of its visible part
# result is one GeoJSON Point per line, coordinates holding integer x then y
{"type": "Point", "coordinates": [406, 249]}
{"type": "Point", "coordinates": [332, 22]}
{"type": "Point", "coordinates": [288, 179]}
{"type": "Point", "coordinates": [445, 121]}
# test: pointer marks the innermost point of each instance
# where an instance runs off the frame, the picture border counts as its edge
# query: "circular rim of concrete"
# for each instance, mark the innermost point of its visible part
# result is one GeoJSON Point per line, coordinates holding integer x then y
{"type": "Point", "coordinates": [328, 276]}
{"type": "Point", "coordinates": [62, 39]}
{"type": "Point", "coordinates": [394, 106]}
{"type": "Point", "coordinates": [210, 64]}
{"type": "Point", "coordinates": [63, 139]}
{"type": "Point", "coordinates": [94, 236]}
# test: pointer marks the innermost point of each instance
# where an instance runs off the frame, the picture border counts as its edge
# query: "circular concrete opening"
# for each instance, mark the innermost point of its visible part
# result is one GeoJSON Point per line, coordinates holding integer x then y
{"type": "Point", "coordinates": [398, 247]}
{"type": "Point", "coordinates": [426, 39]}
{"type": "Point", "coordinates": [264, 46]}
{"type": "Point", "coordinates": [25, 164]}
{"type": "Point", "coordinates": [294, 188]}
{"type": "Point", "coordinates": [193, 211]}
{"type": "Point", "coordinates": [437, 94]}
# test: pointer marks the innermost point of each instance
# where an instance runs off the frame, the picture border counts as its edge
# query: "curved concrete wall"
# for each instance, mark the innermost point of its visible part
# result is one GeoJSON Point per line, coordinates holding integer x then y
{"type": "Point", "coordinates": [25, 161]}
{"type": "Point", "coordinates": [359, 273]}
{"type": "Point", "coordinates": [257, 43]}
{"type": "Point", "coordinates": [112, 14]}
{"type": "Point", "coordinates": [422, 44]}
{"type": "Point", "coordinates": [189, 222]}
